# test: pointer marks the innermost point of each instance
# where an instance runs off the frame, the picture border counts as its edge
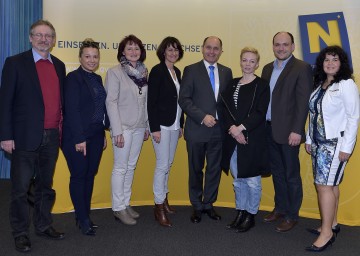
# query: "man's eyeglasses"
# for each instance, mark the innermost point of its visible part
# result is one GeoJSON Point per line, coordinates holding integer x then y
{"type": "Point", "coordinates": [38, 36]}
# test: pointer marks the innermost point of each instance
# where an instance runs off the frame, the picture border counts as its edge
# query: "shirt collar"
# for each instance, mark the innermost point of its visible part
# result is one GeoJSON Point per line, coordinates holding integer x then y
{"type": "Point", "coordinates": [283, 64]}
{"type": "Point", "coordinates": [207, 64]}
{"type": "Point", "coordinates": [38, 57]}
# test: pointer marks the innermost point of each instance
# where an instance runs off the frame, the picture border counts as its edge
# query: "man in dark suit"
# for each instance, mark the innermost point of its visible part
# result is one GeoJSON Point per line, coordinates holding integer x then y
{"type": "Point", "coordinates": [290, 84]}
{"type": "Point", "coordinates": [201, 85]}
{"type": "Point", "coordinates": [30, 118]}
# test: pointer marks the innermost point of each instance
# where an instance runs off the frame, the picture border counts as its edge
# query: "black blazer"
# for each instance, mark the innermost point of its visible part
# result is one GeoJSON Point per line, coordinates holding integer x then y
{"type": "Point", "coordinates": [197, 99]}
{"type": "Point", "coordinates": [22, 108]}
{"type": "Point", "coordinates": [79, 106]}
{"type": "Point", "coordinates": [252, 104]}
{"type": "Point", "coordinates": [162, 97]}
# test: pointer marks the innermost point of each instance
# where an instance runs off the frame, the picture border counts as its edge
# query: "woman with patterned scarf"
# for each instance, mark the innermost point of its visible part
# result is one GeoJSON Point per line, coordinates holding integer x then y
{"type": "Point", "coordinates": [126, 87]}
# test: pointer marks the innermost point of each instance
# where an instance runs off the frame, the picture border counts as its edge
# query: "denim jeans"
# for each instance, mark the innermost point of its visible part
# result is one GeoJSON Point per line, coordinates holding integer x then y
{"type": "Point", "coordinates": [247, 190]}
{"type": "Point", "coordinates": [38, 165]}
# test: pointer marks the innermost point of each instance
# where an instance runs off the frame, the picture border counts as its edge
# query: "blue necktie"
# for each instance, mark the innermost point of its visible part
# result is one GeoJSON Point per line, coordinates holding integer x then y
{"type": "Point", "coordinates": [212, 77]}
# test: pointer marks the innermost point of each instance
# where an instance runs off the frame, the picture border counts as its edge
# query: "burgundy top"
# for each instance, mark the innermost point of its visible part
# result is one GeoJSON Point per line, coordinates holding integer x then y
{"type": "Point", "coordinates": [50, 88]}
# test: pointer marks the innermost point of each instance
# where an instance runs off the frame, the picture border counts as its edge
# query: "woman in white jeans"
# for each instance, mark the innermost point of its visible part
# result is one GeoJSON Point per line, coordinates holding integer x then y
{"type": "Point", "coordinates": [126, 87]}
{"type": "Point", "coordinates": [165, 119]}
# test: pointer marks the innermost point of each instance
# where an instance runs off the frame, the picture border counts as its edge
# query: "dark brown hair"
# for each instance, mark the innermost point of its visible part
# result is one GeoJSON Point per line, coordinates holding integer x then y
{"type": "Point", "coordinates": [169, 41]}
{"type": "Point", "coordinates": [132, 40]}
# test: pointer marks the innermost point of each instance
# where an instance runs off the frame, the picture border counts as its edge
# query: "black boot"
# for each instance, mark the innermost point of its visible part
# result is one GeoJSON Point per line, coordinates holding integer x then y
{"type": "Point", "coordinates": [248, 222]}
{"type": "Point", "coordinates": [238, 219]}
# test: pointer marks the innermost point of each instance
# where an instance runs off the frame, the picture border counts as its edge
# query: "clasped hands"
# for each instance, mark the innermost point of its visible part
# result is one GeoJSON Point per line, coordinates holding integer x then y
{"type": "Point", "coordinates": [237, 134]}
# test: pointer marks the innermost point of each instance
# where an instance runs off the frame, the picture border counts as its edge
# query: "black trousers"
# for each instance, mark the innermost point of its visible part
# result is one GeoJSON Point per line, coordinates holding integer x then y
{"type": "Point", "coordinates": [285, 170]}
{"type": "Point", "coordinates": [203, 191]}
{"type": "Point", "coordinates": [37, 166]}
{"type": "Point", "coordinates": [83, 169]}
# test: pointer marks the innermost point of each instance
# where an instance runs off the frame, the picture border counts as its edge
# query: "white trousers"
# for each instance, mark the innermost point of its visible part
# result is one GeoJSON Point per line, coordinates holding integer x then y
{"type": "Point", "coordinates": [165, 152]}
{"type": "Point", "coordinates": [125, 160]}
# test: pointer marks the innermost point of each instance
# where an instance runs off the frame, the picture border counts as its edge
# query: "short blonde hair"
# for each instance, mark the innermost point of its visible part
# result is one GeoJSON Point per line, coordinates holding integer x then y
{"type": "Point", "coordinates": [252, 50]}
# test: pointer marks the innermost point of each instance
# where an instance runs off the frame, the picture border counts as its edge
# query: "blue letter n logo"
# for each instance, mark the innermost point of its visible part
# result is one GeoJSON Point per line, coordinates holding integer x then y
{"type": "Point", "coordinates": [321, 30]}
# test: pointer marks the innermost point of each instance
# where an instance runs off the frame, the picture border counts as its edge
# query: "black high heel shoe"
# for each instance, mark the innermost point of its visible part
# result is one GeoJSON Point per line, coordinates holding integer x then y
{"type": "Point", "coordinates": [335, 230]}
{"type": "Point", "coordinates": [314, 248]}
{"type": "Point", "coordinates": [86, 227]}
{"type": "Point", "coordinates": [88, 231]}
{"type": "Point", "coordinates": [92, 224]}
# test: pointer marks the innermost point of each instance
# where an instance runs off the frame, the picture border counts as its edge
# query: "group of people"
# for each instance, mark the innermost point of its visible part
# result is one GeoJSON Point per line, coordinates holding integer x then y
{"type": "Point", "coordinates": [250, 125]}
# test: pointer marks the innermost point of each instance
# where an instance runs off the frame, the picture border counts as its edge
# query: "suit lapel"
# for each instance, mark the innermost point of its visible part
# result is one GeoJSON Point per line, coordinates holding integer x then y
{"type": "Point", "coordinates": [30, 68]}
{"type": "Point", "coordinates": [168, 76]}
{"type": "Point", "coordinates": [284, 74]}
{"type": "Point", "coordinates": [268, 71]}
{"type": "Point", "coordinates": [205, 77]}
{"type": "Point", "coordinates": [221, 79]}
{"type": "Point", "coordinates": [60, 75]}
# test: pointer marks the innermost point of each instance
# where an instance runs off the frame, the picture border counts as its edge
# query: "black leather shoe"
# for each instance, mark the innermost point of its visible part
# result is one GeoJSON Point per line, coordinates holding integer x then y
{"type": "Point", "coordinates": [314, 248]}
{"type": "Point", "coordinates": [237, 221]}
{"type": "Point", "coordinates": [51, 233]}
{"type": "Point", "coordinates": [93, 225]}
{"type": "Point", "coordinates": [89, 232]}
{"type": "Point", "coordinates": [212, 214]}
{"type": "Point", "coordinates": [196, 216]}
{"type": "Point", "coordinates": [247, 223]}
{"type": "Point", "coordinates": [22, 243]}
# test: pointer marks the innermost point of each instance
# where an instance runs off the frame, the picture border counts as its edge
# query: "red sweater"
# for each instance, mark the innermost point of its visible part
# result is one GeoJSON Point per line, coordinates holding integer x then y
{"type": "Point", "coordinates": [50, 88]}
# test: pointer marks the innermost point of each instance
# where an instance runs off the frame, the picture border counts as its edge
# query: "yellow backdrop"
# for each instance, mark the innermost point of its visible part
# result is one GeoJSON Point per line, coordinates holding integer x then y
{"type": "Point", "coordinates": [238, 24]}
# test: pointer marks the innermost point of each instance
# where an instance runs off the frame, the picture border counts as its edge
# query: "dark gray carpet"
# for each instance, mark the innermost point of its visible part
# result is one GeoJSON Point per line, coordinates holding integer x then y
{"type": "Point", "coordinates": [147, 238]}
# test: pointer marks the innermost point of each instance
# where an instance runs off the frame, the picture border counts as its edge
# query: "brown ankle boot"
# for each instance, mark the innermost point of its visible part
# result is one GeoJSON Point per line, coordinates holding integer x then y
{"type": "Point", "coordinates": [160, 215]}
{"type": "Point", "coordinates": [167, 207]}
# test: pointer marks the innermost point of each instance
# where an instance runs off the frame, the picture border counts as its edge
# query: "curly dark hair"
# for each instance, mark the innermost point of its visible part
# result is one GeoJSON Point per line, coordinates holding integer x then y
{"type": "Point", "coordinates": [345, 72]}
{"type": "Point", "coordinates": [132, 40]}
{"type": "Point", "coordinates": [174, 42]}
